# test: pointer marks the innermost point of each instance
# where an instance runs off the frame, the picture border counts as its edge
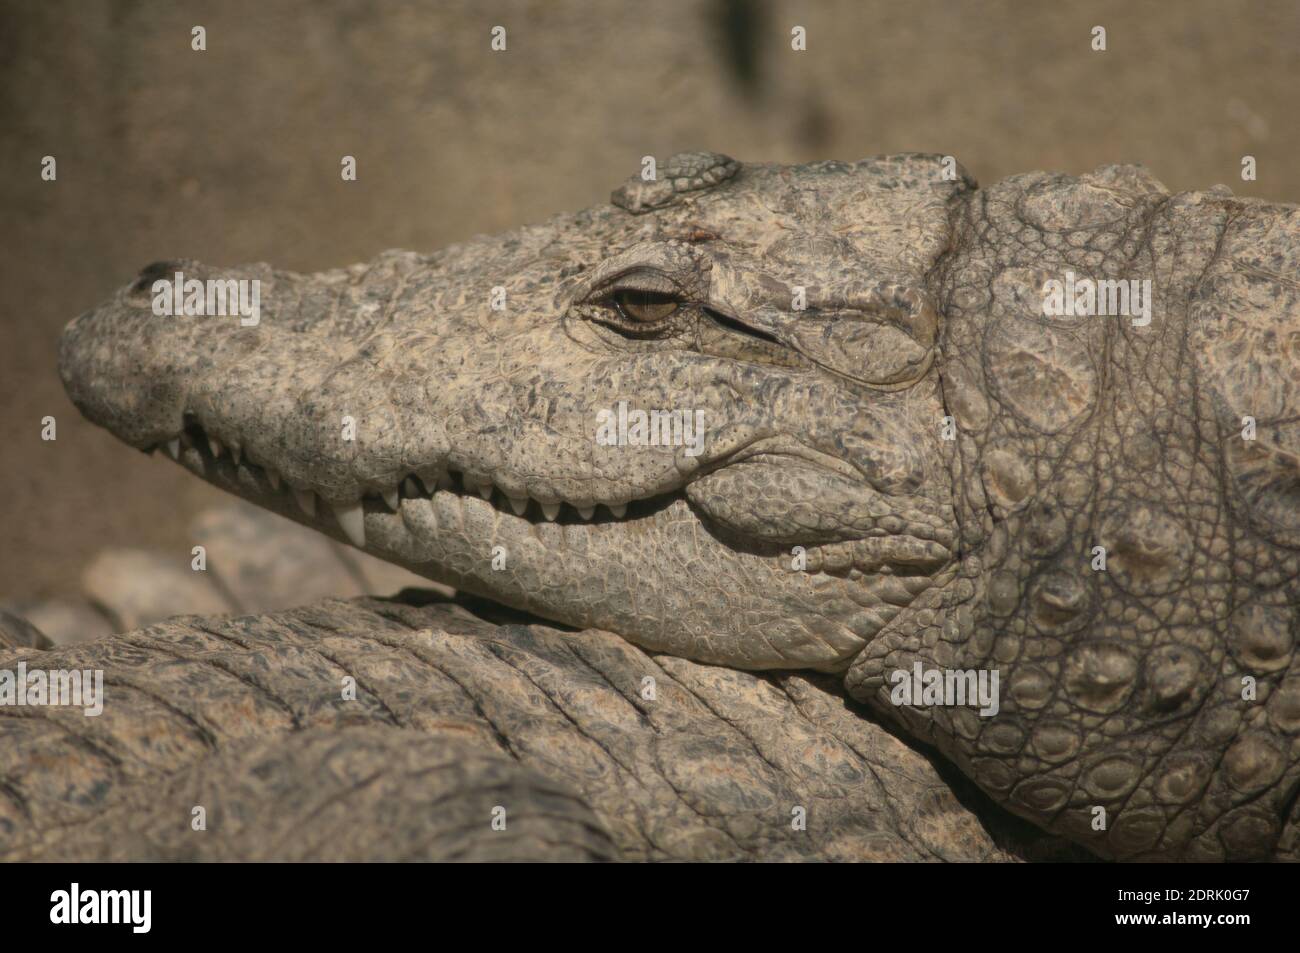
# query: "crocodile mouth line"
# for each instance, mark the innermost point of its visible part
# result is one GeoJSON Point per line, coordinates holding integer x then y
{"type": "Point", "coordinates": [208, 456]}
{"type": "Point", "coordinates": [228, 468]}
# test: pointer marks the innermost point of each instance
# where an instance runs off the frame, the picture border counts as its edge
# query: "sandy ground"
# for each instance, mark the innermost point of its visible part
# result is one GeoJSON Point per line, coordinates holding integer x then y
{"type": "Point", "coordinates": [232, 155]}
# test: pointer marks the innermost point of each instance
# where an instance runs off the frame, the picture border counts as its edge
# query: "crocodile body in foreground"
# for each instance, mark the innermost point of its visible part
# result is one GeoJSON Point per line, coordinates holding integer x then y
{"type": "Point", "coordinates": [892, 455]}
{"type": "Point", "coordinates": [455, 716]}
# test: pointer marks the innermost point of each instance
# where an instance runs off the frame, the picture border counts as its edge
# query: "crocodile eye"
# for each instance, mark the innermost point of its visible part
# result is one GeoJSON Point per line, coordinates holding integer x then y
{"type": "Point", "coordinates": [645, 307]}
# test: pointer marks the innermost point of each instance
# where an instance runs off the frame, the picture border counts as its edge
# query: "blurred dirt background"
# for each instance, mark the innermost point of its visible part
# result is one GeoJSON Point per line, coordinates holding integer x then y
{"type": "Point", "coordinates": [232, 155]}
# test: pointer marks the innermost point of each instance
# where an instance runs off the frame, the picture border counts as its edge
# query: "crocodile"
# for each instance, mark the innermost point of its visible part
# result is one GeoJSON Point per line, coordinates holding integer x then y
{"type": "Point", "coordinates": [819, 419]}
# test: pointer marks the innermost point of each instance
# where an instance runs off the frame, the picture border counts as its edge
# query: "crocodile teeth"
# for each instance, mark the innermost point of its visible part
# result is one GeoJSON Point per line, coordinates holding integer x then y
{"type": "Point", "coordinates": [393, 499]}
{"type": "Point", "coordinates": [485, 490]}
{"type": "Point", "coordinates": [518, 504]}
{"type": "Point", "coordinates": [235, 453]}
{"type": "Point", "coordinates": [215, 446]}
{"type": "Point", "coordinates": [353, 520]}
{"type": "Point", "coordinates": [273, 478]}
{"type": "Point", "coordinates": [445, 481]}
{"type": "Point", "coordinates": [174, 448]}
{"type": "Point", "coordinates": [550, 510]}
{"type": "Point", "coordinates": [618, 509]}
{"type": "Point", "coordinates": [306, 501]}
{"type": "Point", "coordinates": [410, 487]}
{"type": "Point", "coordinates": [586, 512]}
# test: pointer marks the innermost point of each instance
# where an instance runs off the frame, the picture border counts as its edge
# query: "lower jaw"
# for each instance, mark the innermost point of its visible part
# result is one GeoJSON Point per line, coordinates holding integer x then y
{"type": "Point", "coordinates": [658, 576]}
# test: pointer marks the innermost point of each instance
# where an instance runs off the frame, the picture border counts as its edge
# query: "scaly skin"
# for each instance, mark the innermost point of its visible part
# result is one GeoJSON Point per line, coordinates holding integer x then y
{"type": "Point", "coordinates": [455, 716]}
{"type": "Point", "coordinates": [826, 524]}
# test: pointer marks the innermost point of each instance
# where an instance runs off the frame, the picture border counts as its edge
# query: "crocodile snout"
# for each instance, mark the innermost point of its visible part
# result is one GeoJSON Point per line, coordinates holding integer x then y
{"type": "Point", "coordinates": [128, 363]}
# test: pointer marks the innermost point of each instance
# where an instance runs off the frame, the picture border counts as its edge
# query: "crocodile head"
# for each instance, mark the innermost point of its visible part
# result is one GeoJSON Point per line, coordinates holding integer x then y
{"type": "Point", "coordinates": [705, 416]}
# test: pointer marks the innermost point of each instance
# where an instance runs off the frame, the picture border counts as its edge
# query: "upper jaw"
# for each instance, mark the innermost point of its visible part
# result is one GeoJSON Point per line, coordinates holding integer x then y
{"type": "Point", "coordinates": [420, 394]}
{"type": "Point", "coordinates": [270, 403]}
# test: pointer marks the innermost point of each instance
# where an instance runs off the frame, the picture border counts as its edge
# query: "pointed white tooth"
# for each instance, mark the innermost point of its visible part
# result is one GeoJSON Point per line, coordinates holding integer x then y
{"type": "Point", "coordinates": [393, 499]}
{"type": "Point", "coordinates": [306, 501]}
{"type": "Point", "coordinates": [273, 478]}
{"type": "Point", "coordinates": [618, 509]}
{"type": "Point", "coordinates": [586, 512]}
{"type": "Point", "coordinates": [353, 520]}
{"type": "Point", "coordinates": [550, 510]}
{"type": "Point", "coordinates": [445, 482]}
{"type": "Point", "coordinates": [518, 504]}
{"type": "Point", "coordinates": [215, 446]}
{"type": "Point", "coordinates": [411, 488]}
{"type": "Point", "coordinates": [174, 447]}
{"type": "Point", "coordinates": [485, 490]}
{"type": "Point", "coordinates": [235, 452]}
